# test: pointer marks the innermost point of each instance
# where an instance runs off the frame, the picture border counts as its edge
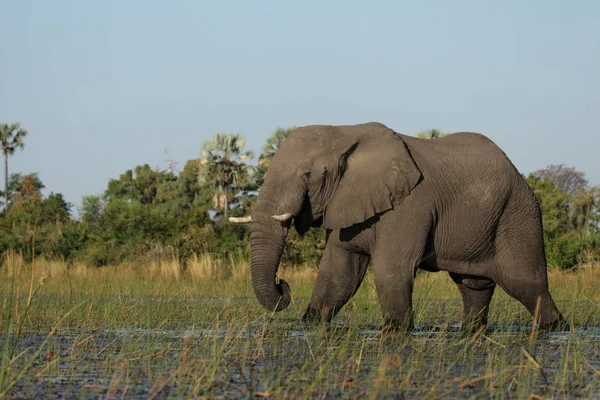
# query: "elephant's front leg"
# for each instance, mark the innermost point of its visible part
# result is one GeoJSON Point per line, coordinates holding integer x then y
{"type": "Point", "coordinates": [340, 275]}
{"type": "Point", "coordinates": [394, 284]}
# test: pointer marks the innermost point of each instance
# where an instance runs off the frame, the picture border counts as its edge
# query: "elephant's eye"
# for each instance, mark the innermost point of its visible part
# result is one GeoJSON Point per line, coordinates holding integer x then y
{"type": "Point", "coordinates": [306, 175]}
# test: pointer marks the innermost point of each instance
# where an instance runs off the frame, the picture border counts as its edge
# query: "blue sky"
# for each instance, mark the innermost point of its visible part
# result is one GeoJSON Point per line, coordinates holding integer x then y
{"type": "Point", "coordinates": [105, 86]}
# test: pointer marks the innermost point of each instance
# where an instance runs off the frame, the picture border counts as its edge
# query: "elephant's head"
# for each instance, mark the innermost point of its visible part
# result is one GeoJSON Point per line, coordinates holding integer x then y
{"type": "Point", "coordinates": [336, 176]}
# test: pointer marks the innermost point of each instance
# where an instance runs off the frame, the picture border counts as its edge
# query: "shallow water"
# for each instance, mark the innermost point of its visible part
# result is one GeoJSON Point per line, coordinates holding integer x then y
{"type": "Point", "coordinates": [139, 362]}
{"type": "Point", "coordinates": [256, 356]}
{"type": "Point", "coordinates": [423, 332]}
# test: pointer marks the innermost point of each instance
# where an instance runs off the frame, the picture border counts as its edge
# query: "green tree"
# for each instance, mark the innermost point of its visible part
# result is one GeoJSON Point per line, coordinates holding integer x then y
{"type": "Point", "coordinates": [146, 214]}
{"type": "Point", "coordinates": [140, 184]}
{"type": "Point", "coordinates": [57, 209]}
{"type": "Point", "coordinates": [431, 134]}
{"type": "Point", "coordinates": [273, 144]}
{"type": "Point", "coordinates": [11, 139]}
{"type": "Point", "coordinates": [56, 234]}
{"type": "Point", "coordinates": [91, 209]}
{"type": "Point", "coordinates": [22, 187]}
{"type": "Point", "coordinates": [561, 246]}
{"type": "Point", "coordinates": [570, 221]}
{"type": "Point", "coordinates": [224, 168]}
{"type": "Point", "coordinates": [585, 206]}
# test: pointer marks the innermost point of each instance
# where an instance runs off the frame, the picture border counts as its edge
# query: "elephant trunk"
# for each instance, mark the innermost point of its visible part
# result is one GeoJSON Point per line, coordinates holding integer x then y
{"type": "Point", "coordinates": [266, 246]}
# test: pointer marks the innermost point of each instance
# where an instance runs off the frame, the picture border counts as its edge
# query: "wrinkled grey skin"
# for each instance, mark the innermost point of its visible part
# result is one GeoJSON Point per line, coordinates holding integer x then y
{"type": "Point", "coordinates": [454, 204]}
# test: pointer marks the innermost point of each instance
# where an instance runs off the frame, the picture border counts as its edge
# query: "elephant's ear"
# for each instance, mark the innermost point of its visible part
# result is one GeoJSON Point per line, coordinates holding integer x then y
{"type": "Point", "coordinates": [378, 175]}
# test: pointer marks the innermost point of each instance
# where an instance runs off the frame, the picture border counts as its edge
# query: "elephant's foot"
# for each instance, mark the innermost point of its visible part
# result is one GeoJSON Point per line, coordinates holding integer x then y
{"type": "Point", "coordinates": [311, 316]}
{"type": "Point", "coordinates": [558, 325]}
{"type": "Point", "coordinates": [315, 316]}
{"type": "Point", "coordinates": [392, 325]}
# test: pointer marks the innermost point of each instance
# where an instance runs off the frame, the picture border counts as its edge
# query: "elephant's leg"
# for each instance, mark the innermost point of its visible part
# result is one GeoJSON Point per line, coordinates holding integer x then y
{"type": "Point", "coordinates": [340, 275]}
{"type": "Point", "coordinates": [400, 248]}
{"type": "Point", "coordinates": [531, 290]}
{"type": "Point", "coordinates": [532, 294]}
{"type": "Point", "coordinates": [522, 272]}
{"type": "Point", "coordinates": [476, 293]}
{"type": "Point", "coordinates": [394, 279]}
{"type": "Point", "coordinates": [394, 286]}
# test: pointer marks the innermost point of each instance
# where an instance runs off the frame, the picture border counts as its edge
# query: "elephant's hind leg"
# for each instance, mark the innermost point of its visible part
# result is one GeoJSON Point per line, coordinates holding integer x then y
{"type": "Point", "coordinates": [522, 270]}
{"type": "Point", "coordinates": [476, 293]}
{"type": "Point", "coordinates": [531, 290]}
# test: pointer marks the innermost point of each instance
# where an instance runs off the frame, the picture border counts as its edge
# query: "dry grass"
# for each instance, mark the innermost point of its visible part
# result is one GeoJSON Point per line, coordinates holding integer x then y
{"type": "Point", "coordinates": [580, 283]}
{"type": "Point", "coordinates": [200, 267]}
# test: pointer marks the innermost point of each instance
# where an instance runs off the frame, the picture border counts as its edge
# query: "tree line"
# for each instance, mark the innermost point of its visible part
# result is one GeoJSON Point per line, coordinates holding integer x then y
{"type": "Point", "coordinates": [147, 213]}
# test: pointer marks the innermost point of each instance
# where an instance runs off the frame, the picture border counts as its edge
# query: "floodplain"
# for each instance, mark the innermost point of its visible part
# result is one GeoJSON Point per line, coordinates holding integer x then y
{"type": "Point", "coordinates": [166, 330]}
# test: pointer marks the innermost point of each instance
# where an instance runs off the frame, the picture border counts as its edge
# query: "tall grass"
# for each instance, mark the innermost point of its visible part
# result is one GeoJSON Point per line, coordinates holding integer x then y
{"type": "Point", "coordinates": [194, 329]}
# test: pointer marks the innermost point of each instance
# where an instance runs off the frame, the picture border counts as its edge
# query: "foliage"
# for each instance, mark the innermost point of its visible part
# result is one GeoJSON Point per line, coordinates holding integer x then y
{"type": "Point", "coordinates": [21, 187]}
{"type": "Point", "coordinates": [571, 222]}
{"type": "Point", "coordinates": [430, 134]}
{"type": "Point", "coordinates": [224, 168]}
{"type": "Point", "coordinates": [141, 186]}
{"type": "Point", "coordinates": [306, 249]}
{"type": "Point", "coordinates": [47, 220]}
{"type": "Point", "coordinates": [11, 139]}
{"type": "Point", "coordinates": [145, 214]}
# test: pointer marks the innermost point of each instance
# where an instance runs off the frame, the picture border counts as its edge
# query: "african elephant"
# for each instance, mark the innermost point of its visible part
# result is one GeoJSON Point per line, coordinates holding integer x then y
{"type": "Point", "coordinates": [454, 204]}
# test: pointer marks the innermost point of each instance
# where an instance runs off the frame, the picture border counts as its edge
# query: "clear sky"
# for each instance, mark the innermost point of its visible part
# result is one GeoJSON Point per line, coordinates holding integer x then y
{"type": "Point", "coordinates": [103, 86]}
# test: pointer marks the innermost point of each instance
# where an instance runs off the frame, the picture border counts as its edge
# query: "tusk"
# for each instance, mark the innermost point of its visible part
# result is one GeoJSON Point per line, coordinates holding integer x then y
{"type": "Point", "coordinates": [282, 217]}
{"type": "Point", "coordinates": [241, 220]}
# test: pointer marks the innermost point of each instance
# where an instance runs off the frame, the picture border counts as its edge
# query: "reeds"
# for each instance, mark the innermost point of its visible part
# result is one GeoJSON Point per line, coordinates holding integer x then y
{"type": "Point", "coordinates": [195, 330]}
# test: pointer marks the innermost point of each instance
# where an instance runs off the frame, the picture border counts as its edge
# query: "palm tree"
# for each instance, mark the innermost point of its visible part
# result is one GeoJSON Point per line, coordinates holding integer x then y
{"type": "Point", "coordinates": [223, 164]}
{"type": "Point", "coordinates": [11, 139]}
{"type": "Point", "coordinates": [269, 149]}
{"type": "Point", "coordinates": [430, 134]}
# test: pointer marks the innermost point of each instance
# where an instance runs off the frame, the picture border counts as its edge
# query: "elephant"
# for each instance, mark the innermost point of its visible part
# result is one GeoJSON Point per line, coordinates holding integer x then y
{"type": "Point", "coordinates": [455, 204]}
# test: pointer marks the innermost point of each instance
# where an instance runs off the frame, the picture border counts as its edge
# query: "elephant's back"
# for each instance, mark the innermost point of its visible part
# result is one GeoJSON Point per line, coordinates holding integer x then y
{"type": "Point", "coordinates": [470, 146]}
{"type": "Point", "coordinates": [460, 158]}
